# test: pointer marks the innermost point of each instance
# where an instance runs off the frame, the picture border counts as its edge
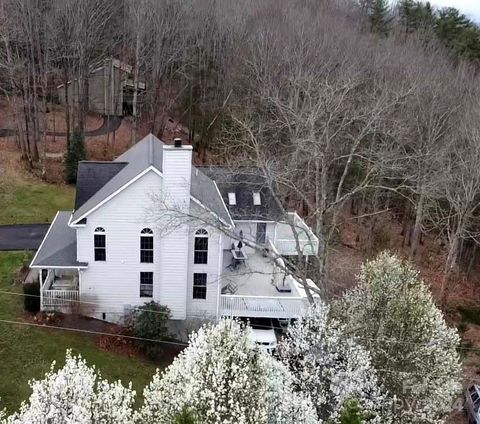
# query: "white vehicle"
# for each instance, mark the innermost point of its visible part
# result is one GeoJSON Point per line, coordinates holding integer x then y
{"type": "Point", "coordinates": [263, 333]}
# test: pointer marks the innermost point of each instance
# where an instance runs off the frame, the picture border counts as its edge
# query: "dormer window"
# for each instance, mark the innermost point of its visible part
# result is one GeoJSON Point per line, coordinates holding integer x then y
{"type": "Point", "coordinates": [257, 201]}
{"type": "Point", "coordinates": [232, 199]}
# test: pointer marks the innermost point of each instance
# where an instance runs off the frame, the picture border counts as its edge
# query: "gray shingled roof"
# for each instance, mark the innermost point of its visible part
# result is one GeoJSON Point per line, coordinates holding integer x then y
{"type": "Point", "coordinates": [92, 176]}
{"type": "Point", "coordinates": [147, 152]}
{"type": "Point", "coordinates": [244, 182]}
{"type": "Point", "coordinates": [205, 191]}
{"type": "Point", "coordinates": [59, 248]}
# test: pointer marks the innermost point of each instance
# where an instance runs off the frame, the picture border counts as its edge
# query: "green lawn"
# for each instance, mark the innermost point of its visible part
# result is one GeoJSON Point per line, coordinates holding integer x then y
{"type": "Point", "coordinates": [27, 352]}
{"type": "Point", "coordinates": [26, 200]}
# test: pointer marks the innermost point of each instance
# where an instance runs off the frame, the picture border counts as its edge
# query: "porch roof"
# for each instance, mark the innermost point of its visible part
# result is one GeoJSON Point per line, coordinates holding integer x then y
{"type": "Point", "coordinates": [59, 247]}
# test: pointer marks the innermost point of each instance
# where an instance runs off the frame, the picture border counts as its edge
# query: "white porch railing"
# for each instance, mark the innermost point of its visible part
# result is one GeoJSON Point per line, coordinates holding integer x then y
{"type": "Point", "coordinates": [52, 299]}
{"type": "Point", "coordinates": [262, 306]}
{"type": "Point", "coordinates": [59, 298]}
{"type": "Point", "coordinates": [288, 247]}
{"type": "Point", "coordinates": [285, 240]}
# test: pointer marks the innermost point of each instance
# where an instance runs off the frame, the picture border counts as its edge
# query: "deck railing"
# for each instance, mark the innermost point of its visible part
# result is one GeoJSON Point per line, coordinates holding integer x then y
{"type": "Point", "coordinates": [262, 306]}
{"type": "Point", "coordinates": [285, 240]}
{"type": "Point", "coordinates": [59, 298]}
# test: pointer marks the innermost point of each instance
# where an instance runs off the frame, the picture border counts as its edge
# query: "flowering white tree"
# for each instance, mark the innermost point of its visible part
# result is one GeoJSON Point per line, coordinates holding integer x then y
{"type": "Point", "coordinates": [76, 394]}
{"type": "Point", "coordinates": [223, 378]}
{"type": "Point", "coordinates": [332, 368]}
{"type": "Point", "coordinates": [393, 315]}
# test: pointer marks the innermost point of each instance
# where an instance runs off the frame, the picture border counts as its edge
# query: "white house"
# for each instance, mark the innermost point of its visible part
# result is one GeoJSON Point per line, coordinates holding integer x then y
{"type": "Point", "coordinates": [205, 241]}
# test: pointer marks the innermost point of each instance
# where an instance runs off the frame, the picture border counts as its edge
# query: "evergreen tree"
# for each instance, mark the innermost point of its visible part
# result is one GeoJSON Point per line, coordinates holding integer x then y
{"type": "Point", "coordinates": [416, 15]}
{"type": "Point", "coordinates": [406, 11]}
{"type": "Point", "coordinates": [380, 17]}
{"type": "Point", "coordinates": [457, 32]}
{"type": "Point", "coordinates": [75, 153]}
{"type": "Point", "coordinates": [352, 413]}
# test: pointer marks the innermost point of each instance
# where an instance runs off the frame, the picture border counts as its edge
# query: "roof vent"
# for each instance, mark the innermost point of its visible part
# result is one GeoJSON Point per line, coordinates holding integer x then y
{"type": "Point", "coordinates": [256, 198]}
{"type": "Point", "coordinates": [177, 142]}
{"type": "Point", "coordinates": [232, 199]}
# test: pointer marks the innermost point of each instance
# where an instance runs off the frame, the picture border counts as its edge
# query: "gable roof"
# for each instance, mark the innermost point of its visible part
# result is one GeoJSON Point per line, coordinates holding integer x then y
{"type": "Point", "coordinates": [92, 176]}
{"type": "Point", "coordinates": [147, 153]}
{"type": "Point", "coordinates": [244, 182]}
{"type": "Point", "coordinates": [59, 247]}
{"type": "Point", "coordinates": [205, 190]}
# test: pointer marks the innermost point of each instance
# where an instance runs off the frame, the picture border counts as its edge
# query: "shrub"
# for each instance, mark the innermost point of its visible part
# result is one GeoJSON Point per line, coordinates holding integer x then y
{"type": "Point", "coordinates": [150, 322]}
{"type": "Point", "coordinates": [352, 413]}
{"type": "Point", "coordinates": [186, 416]}
{"type": "Point", "coordinates": [75, 153]}
{"type": "Point", "coordinates": [31, 300]}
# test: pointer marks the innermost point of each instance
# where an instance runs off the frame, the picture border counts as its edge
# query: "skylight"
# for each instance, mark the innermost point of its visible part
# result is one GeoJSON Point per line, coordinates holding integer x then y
{"type": "Point", "coordinates": [256, 198]}
{"type": "Point", "coordinates": [232, 199]}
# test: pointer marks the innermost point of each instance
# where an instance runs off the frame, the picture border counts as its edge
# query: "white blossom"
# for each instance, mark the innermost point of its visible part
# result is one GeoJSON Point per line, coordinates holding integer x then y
{"type": "Point", "coordinates": [332, 368]}
{"type": "Point", "coordinates": [223, 378]}
{"type": "Point", "coordinates": [393, 315]}
{"type": "Point", "coordinates": [75, 394]}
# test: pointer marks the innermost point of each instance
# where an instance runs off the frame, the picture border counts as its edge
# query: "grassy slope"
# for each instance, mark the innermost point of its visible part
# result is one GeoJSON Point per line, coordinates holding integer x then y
{"type": "Point", "coordinates": [27, 352]}
{"type": "Point", "coordinates": [32, 201]}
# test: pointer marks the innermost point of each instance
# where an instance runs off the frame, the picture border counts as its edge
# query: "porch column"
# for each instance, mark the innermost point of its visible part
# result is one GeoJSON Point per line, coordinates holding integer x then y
{"type": "Point", "coordinates": [41, 288]}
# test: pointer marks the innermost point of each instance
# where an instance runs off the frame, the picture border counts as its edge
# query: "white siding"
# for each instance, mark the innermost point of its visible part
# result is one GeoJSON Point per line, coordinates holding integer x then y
{"type": "Point", "coordinates": [205, 308]}
{"type": "Point", "coordinates": [115, 283]}
{"type": "Point", "coordinates": [177, 166]}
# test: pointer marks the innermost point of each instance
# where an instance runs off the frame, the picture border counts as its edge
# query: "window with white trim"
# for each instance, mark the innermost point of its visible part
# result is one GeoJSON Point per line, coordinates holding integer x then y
{"type": "Point", "coordinates": [200, 250]}
{"type": "Point", "coordinates": [100, 244]}
{"type": "Point", "coordinates": [146, 246]}
{"type": "Point", "coordinates": [146, 284]}
{"type": "Point", "coordinates": [199, 285]}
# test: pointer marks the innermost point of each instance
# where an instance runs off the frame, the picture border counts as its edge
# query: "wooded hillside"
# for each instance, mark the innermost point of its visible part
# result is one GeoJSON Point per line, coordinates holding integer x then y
{"type": "Point", "coordinates": [351, 109]}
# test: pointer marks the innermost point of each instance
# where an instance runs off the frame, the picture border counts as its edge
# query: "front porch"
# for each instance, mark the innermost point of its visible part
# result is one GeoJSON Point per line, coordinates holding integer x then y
{"type": "Point", "coordinates": [58, 268]}
{"type": "Point", "coordinates": [59, 290]}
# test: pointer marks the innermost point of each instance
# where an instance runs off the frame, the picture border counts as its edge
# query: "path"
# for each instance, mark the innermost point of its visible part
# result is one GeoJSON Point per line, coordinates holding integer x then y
{"type": "Point", "coordinates": [109, 124]}
{"type": "Point", "coordinates": [22, 236]}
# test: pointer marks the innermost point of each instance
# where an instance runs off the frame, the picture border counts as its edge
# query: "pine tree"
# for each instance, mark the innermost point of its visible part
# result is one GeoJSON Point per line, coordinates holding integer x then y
{"type": "Point", "coordinates": [455, 30]}
{"type": "Point", "coordinates": [406, 12]}
{"type": "Point", "coordinates": [380, 17]}
{"type": "Point", "coordinates": [75, 153]}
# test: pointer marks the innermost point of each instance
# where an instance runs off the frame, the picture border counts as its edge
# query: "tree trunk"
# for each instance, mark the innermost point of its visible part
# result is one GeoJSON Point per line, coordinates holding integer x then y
{"type": "Point", "coordinates": [135, 89]}
{"type": "Point", "coordinates": [67, 106]}
{"type": "Point", "coordinates": [418, 225]}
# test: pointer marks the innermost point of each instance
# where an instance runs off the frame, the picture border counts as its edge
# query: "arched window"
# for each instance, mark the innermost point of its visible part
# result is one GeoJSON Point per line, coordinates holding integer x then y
{"type": "Point", "coordinates": [200, 255]}
{"type": "Point", "coordinates": [146, 245]}
{"type": "Point", "coordinates": [99, 244]}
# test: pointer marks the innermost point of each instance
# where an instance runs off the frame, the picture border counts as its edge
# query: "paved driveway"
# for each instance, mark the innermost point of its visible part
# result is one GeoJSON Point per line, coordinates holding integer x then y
{"type": "Point", "coordinates": [109, 124]}
{"type": "Point", "coordinates": [22, 237]}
